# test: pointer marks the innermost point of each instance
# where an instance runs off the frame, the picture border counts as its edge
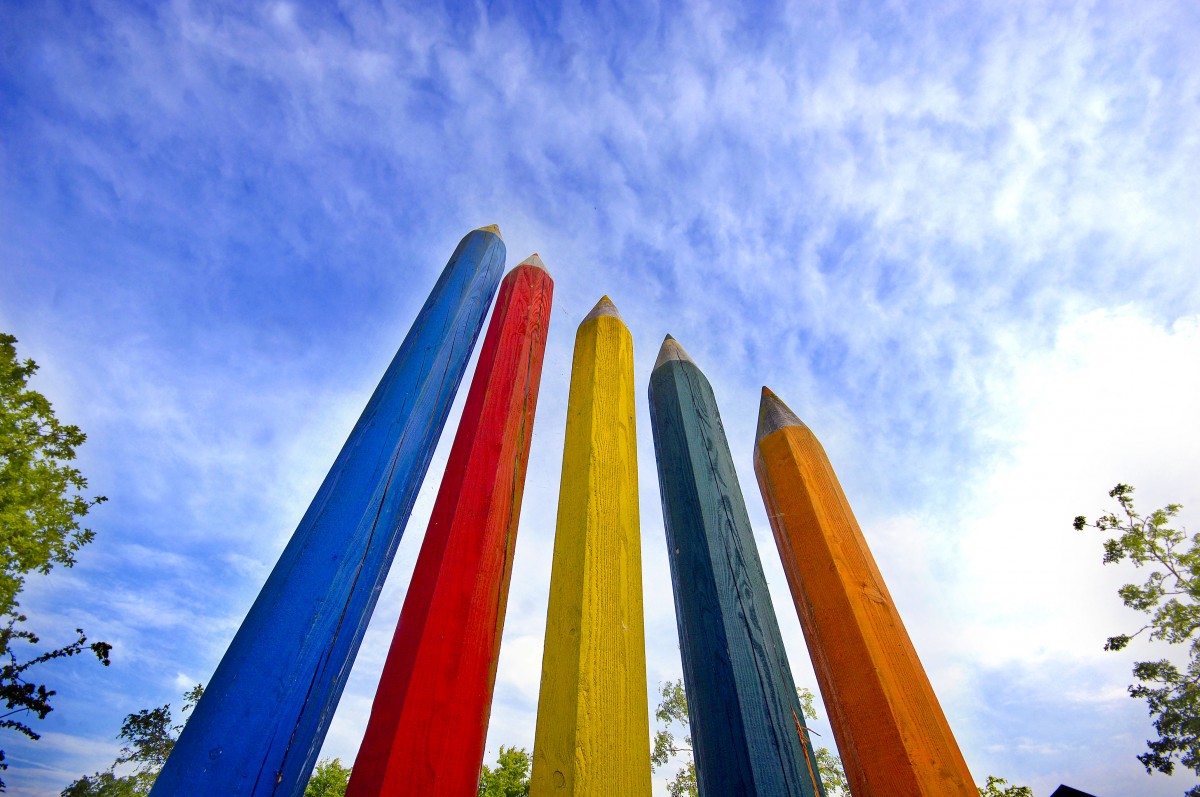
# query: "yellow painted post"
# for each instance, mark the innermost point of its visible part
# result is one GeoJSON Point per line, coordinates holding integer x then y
{"type": "Point", "coordinates": [593, 726]}
{"type": "Point", "coordinates": [890, 730]}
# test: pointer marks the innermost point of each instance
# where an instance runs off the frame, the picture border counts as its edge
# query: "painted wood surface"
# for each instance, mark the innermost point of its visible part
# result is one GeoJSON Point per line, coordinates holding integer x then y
{"type": "Point", "coordinates": [892, 735]}
{"type": "Point", "coordinates": [429, 720]}
{"type": "Point", "coordinates": [593, 727]}
{"type": "Point", "coordinates": [748, 732]}
{"type": "Point", "coordinates": [260, 724]}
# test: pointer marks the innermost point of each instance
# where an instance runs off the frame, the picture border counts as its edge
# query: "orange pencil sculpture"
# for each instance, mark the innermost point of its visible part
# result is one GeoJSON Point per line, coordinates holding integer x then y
{"type": "Point", "coordinates": [429, 721]}
{"type": "Point", "coordinates": [892, 735]}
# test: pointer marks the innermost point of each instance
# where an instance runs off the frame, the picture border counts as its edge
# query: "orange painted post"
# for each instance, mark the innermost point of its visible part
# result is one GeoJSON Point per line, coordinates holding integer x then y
{"type": "Point", "coordinates": [892, 735]}
{"type": "Point", "coordinates": [429, 720]}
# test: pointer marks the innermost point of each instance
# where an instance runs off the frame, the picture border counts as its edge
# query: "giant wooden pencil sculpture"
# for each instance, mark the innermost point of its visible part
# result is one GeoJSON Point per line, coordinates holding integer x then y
{"type": "Point", "coordinates": [260, 724]}
{"type": "Point", "coordinates": [890, 730]}
{"type": "Point", "coordinates": [747, 724]}
{"type": "Point", "coordinates": [593, 727]}
{"type": "Point", "coordinates": [429, 722]}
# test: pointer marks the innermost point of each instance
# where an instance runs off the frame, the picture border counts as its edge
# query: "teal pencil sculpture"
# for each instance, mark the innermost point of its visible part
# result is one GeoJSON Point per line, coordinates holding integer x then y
{"type": "Point", "coordinates": [748, 731]}
{"type": "Point", "coordinates": [264, 714]}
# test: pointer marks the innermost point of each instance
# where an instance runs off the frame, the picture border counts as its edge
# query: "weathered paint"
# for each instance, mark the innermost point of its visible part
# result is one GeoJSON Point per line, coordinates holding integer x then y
{"type": "Point", "coordinates": [593, 727]}
{"type": "Point", "coordinates": [428, 724]}
{"type": "Point", "coordinates": [748, 732]}
{"type": "Point", "coordinates": [260, 724]}
{"type": "Point", "coordinates": [892, 735]}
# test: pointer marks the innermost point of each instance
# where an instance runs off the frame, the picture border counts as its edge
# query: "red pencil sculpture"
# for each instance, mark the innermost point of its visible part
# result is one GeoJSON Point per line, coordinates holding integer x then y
{"type": "Point", "coordinates": [428, 723]}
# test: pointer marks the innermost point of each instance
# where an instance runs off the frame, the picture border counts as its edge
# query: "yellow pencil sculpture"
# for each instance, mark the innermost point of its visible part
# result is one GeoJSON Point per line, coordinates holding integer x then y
{"type": "Point", "coordinates": [892, 735]}
{"type": "Point", "coordinates": [593, 726]}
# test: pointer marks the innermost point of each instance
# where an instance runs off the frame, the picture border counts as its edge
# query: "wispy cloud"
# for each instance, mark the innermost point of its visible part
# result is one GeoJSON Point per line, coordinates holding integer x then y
{"type": "Point", "coordinates": [937, 231]}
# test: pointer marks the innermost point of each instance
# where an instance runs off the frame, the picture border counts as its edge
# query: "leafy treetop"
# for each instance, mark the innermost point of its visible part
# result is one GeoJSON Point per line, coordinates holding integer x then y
{"type": "Point", "coordinates": [40, 500]}
{"type": "Point", "coordinates": [993, 789]}
{"type": "Point", "coordinates": [1169, 597]}
{"type": "Point", "coordinates": [329, 779]}
{"type": "Point", "coordinates": [510, 778]}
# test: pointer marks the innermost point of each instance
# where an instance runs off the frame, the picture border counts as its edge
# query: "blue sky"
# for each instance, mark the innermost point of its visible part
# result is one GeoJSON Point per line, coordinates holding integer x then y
{"type": "Point", "coordinates": [959, 239]}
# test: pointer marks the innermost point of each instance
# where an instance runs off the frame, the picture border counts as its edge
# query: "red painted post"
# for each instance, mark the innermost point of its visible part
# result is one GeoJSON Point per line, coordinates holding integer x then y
{"type": "Point", "coordinates": [429, 720]}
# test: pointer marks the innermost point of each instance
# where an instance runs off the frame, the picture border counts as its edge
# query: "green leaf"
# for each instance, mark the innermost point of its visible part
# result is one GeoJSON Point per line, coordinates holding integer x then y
{"type": "Point", "coordinates": [510, 778]}
{"type": "Point", "coordinates": [1169, 598]}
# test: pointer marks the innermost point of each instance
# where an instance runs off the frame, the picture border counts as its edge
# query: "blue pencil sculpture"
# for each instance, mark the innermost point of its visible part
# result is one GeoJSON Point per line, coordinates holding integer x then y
{"type": "Point", "coordinates": [748, 731]}
{"type": "Point", "coordinates": [264, 714]}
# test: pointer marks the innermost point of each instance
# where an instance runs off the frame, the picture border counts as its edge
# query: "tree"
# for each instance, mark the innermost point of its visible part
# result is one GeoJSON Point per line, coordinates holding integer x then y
{"type": "Point", "coordinates": [104, 784]}
{"type": "Point", "coordinates": [673, 710]}
{"type": "Point", "coordinates": [41, 505]}
{"type": "Point", "coordinates": [992, 789]}
{"type": "Point", "coordinates": [149, 737]}
{"type": "Point", "coordinates": [329, 779]}
{"type": "Point", "coordinates": [510, 778]}
{"type": "Point", "coordinates": [1170, 599]}
{"type": "Point", "coordinates": [829, 765]}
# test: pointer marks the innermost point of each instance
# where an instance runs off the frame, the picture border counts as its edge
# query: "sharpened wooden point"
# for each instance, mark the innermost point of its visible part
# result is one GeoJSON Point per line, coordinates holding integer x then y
{"type": "Point", "coordinates": [671, 350]}
{"type": "Point", "coordinates": [494, 229]}
{"type": "Point", "coordinates": [592, 709]}
{"type": "Point", "coordinates": [447, 639]}
{"type": "Point", "coordinates": [889, 727]}
{"type": "Point", "coordinates": [267, 707]}
{"type": "Point", "coordinates": [603, 307]}
{"type": "Point", "coordinates": [535, 261]}
{"type": "Point", "coordinates": [773, 415]}
{"type": "Point", "coordinates": [747, 735]}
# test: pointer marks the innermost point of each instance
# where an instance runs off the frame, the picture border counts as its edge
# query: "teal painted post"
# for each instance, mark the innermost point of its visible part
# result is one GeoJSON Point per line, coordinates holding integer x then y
{"type": "Point", "coordinates": [748, 733]}
{"type": "Point", "coordinates": [260, 724]}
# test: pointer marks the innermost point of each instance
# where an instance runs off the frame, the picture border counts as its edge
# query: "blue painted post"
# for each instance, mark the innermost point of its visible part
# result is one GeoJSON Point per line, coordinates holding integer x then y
{"type": "Point", "coordinates": [748, 732]}
{"type": "Point", "coordinates": [260, 724]}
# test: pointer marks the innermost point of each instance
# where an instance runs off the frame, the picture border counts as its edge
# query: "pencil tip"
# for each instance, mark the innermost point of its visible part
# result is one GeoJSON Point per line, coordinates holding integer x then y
{"type": "Point", "coordinates": [535, 261]}
{"type": "Point", "coordinates": [671, 350]}
{"type": "Point", "coordinates": [603, 307]}
{"type": "Point", "coordinates": [773, 415]}
{"type": "Point", "coordinates": [494, 229]}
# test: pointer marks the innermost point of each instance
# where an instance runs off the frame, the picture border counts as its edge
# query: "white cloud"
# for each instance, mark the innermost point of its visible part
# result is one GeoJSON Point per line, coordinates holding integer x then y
{"type": "Point", "coordinates": [1008, 605]}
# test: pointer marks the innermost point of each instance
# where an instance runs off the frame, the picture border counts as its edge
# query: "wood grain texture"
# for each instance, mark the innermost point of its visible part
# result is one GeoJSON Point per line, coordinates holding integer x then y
{"type": "Point", "coordinates": [593, 727]}
{"type": "Point", "coordinates": [892, 735]}
{"type": "Point", "coordinates": [429, 720]}
{"type": "Point", "coordinates": [747, 725]}
{"type": "Point", "coordinates": [260, 724]}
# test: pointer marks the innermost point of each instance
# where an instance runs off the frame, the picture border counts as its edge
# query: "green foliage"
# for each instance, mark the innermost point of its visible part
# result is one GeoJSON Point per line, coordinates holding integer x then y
{"type": "Point", "coordinates": [993, 789]}
{"type": "Point", "coordinates": [104, 784]}
{"type": "Point", "coordinates": [329, 779]}
{"type": "Point", "coordinates": [510, 778]}
{"type": "Point", "coordinates": [41, 504]}
{"type": "Point", "coordinates": [149, 737]}
{"type": "Point", "coordinates": [1170, 598]}
{"type": "Point", "coordinates": [673, 710]}
{"type": "Point", "coordinates": [40, 500]}
{"type": "Point", "coordinates": [684, 784]}
{"type": "Point", "coordinates": [829, 765]}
